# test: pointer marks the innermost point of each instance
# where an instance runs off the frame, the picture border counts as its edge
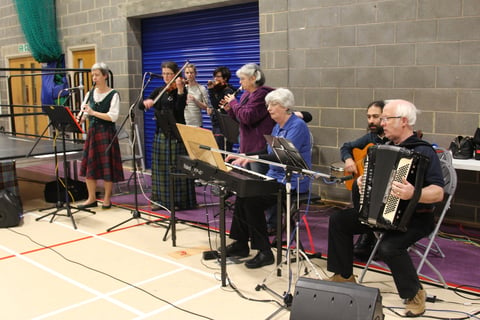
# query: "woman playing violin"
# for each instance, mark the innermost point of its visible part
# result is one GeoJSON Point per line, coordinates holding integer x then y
{"type": "Point", "coordinates": [218, 88]}
{"type": "Point", "coordinates": [166, 148]}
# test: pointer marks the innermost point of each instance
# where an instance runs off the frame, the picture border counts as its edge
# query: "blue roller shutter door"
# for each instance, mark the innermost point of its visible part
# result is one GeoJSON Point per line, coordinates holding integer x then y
{"type": "Point", "coordinates": [227, 36]}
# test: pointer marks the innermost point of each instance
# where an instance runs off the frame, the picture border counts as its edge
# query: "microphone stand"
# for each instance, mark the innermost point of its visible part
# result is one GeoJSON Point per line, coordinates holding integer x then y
{"type": "Point", "coordinates": [136, 213]}
{"type": "Point", "coordinates": [131, 115]}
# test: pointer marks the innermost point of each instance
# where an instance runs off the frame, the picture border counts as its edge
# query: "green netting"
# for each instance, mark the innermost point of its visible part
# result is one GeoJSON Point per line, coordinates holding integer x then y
{"type": "Point", "coordinates": [38, 21]}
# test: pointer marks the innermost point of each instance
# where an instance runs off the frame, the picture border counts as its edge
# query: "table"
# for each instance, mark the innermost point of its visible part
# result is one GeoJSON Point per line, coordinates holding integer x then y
{"type": "Point", "coordinates": [467, 164]}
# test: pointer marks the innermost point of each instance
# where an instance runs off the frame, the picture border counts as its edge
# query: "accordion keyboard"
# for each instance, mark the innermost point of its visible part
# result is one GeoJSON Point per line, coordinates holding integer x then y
{"type": "Point", "coordinates": [391, 202]}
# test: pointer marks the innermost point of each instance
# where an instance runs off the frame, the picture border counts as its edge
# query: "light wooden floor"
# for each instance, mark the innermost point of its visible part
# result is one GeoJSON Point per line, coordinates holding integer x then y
{"type": "Point", "coordinates": [51, 271]}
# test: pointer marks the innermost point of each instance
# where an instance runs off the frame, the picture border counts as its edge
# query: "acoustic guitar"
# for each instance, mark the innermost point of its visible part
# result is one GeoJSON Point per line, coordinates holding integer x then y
{"type": "Point", "coordinates": [359, 157]}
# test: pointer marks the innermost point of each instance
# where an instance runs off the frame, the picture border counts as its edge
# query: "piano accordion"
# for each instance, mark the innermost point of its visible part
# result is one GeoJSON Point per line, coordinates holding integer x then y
{"type": "Point", "coordinates": [385, 164]}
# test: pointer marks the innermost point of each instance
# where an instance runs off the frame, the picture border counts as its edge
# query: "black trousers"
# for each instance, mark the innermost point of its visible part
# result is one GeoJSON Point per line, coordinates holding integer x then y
{"type": "Point", "coordinates": [393, 248]}
{"type": "Point", "coordinates": [249, 221]}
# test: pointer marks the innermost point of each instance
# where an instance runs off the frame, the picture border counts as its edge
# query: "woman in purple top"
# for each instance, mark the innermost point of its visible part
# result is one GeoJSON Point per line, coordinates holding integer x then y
{"type": "Point", "coordinates": [251, 112]}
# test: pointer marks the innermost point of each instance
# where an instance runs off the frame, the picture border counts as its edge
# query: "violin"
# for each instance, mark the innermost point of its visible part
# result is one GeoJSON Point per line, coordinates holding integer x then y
{"type": "Point", "coordinates": [217, 84]}
{"type": "Point", "coordinates": [170, 84]}
{"type": "Point", "coordinates": [171, 87]}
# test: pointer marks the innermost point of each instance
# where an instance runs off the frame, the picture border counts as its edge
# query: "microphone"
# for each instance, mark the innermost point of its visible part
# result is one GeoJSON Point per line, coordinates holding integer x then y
{"type": "Point", "coordinates": [204, 147]}
{"type": "Point", "coordinates": [155, 75]}
{"type": "Point", "coordinates": [80, 87]}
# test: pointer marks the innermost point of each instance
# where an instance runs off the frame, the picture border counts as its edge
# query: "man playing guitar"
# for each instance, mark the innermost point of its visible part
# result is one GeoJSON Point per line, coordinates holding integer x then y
{"type": "Point", "coordinates": [353, 154]}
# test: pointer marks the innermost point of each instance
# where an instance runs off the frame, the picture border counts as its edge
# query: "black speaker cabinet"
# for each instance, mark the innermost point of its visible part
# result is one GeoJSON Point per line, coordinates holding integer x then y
{"type": "Point", "coordinates": [320, 299]}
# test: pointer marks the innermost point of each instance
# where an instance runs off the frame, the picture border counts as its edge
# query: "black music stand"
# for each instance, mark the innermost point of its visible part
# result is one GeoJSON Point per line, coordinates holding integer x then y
{"type": "Point", "coordinates": [229, 128]}
{"type": "Point", "coordinates": [292, 162]}
{"type": "Point", "coordinates": [63, 120]}
{"type": "Point", "coordinates": [168, 125]}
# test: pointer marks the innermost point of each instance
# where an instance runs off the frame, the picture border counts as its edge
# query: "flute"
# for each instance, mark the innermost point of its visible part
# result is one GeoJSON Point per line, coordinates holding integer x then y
{"type": "Point", "coordinates": [234, 94]}
{"type": "Point", "coordinates": [90, 96]}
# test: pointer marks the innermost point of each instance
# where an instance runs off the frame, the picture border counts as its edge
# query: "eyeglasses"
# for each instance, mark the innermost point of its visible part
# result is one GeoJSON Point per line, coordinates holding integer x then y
{"type": "Point", "coordinates": [385, 119]}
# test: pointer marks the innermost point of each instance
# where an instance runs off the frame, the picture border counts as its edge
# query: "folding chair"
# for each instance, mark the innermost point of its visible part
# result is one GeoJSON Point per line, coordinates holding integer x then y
{"type": "Point", "coordinates": [432, 247]}
{"type": "Point", "coordinates": [127, 157]}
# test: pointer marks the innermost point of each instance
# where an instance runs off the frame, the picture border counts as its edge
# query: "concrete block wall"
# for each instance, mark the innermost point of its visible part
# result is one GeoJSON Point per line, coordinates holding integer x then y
{"type": "Point", "coordinates": [339, 55]}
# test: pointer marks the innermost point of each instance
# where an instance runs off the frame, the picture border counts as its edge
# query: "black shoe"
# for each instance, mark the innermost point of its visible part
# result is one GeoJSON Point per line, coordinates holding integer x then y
{"type": "Point", "coordinates": [263, 258]}
{"type": "Point", "coordinates": [108, 206]}
{"type": "Point", "coordinates": [88, 205]}
{"type": "Point", "coordinates": [364, 246]}
{"type": "Point", "coordinates": [237, 249]}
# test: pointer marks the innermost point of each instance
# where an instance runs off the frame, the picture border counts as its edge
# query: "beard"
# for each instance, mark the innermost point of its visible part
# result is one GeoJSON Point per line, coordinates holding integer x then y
{"type": "Point", "coordinates": [378, 129]}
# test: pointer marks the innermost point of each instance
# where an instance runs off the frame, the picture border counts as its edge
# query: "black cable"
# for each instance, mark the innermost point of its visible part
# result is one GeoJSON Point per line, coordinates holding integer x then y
{"type": "Point", "coordinates": [241, 295]}
{"type": "Point", "coordinates": [468, 315]}
{"type": "Point", "coordinates": [110, 276]}
{"type": "Point", "coordinates": [457, 292]}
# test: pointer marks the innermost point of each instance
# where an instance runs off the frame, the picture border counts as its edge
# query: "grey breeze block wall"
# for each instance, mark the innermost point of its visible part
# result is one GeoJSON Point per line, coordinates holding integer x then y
{"type": "Point", "coordinates": [335, 55]}
{"type": "Point", "coordinates": [339, 55]}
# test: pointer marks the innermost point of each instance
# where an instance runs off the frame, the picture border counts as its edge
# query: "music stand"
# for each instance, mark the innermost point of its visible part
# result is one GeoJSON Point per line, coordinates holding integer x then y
{"type": "Point", "coordinates": [293, 162]}
{"type": "Point", "coordinates": [63, 120]}
{"type": "Point", "coordinates": [168, 125]}
{"type": "Point", "coordinates": [229, 128]}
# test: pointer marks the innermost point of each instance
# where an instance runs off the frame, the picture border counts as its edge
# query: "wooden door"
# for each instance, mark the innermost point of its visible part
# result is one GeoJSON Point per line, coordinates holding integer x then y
{"type": "Point", "coordinates": [83, 59]}
{"type": "Point", "coordinates": [26, 97]}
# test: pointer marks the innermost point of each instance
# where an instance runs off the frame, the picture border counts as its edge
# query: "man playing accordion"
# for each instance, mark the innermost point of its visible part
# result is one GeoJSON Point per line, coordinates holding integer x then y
{"type": "Point", "coordinates": [398, 119]}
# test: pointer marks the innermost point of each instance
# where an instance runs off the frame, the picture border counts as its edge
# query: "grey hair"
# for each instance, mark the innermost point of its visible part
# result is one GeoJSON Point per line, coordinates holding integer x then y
{"type": "Point", "coordinates": [102, 66]}
{"type": "Point", "coordinates": [251, 69]}
{"type": "Point", "coordinates": [282, 96]}
{"type": "Point", "coordinates": [405, 109]}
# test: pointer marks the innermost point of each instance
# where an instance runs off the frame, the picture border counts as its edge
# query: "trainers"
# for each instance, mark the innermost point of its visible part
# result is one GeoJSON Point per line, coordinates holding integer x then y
{"type": "Point", "coordinates": [338, 278]}
{"type": "Point", "coordinates": [416, 306]}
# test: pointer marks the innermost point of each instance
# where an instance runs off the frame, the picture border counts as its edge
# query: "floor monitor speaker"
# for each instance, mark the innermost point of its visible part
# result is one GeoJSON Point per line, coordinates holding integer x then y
{"type": "Point", "coordinates": [320, 299]}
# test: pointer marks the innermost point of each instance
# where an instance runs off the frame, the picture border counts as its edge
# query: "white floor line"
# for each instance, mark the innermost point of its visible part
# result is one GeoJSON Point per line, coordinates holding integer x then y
{"type": "Point", "coordinates": [179, 302]}
{"type": "Point", "coordinates": [111, 293]}
{"type": "Point", "coordinates": [71, 281]}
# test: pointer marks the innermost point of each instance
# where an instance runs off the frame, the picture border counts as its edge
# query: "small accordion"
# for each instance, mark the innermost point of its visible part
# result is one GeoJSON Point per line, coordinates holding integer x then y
{"type": "Point", "coordinates": [383, 165]}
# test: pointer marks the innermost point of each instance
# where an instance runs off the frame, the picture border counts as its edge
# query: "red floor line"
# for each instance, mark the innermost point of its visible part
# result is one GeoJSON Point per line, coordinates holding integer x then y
{"type": "Point", "coordinates": [69, 242]}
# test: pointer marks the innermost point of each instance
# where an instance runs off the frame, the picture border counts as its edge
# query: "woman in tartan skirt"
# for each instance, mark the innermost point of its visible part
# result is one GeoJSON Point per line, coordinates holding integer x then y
{"type": "Point", "coordinates": [102, 106]}
{"type": "Point", "coordinates": [166, 148]}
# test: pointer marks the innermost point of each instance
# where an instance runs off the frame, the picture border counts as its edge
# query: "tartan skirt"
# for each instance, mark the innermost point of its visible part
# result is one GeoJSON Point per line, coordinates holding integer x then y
{"type": "Point", "coordinates": [164, 161]}
{"type": "Point", "coordinates": [96, 164]}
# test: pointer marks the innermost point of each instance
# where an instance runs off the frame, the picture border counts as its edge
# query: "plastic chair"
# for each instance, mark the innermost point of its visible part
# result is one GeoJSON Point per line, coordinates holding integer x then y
{"type": "Point", "coordinates": [432, 247]}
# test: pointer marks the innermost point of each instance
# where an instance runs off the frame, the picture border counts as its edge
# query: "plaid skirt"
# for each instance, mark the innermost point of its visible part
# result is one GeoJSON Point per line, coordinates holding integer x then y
{"type": "Point", "coordinates": [96, 164]}
{"type": "Point", "coordinates": [163, 163]}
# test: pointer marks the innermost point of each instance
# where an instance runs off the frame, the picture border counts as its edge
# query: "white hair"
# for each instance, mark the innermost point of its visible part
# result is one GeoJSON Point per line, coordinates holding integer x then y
{"type": "Point", "coordinates": [405, 109]}
{"type": "Point", "coordinates": [282, 96]}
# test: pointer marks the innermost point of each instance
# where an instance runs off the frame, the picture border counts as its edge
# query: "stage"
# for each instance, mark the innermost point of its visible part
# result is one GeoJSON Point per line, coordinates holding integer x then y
{"type": "Point", "coordinates": [28, 151]}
